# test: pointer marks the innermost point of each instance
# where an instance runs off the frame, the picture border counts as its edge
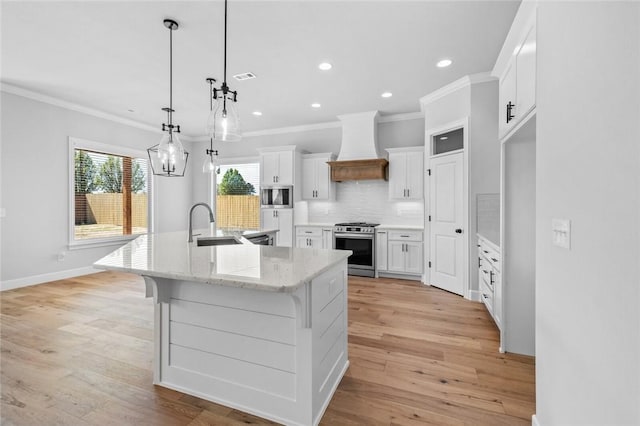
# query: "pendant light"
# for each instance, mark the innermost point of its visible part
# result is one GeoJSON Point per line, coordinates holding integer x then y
{"type": "Point", "coordinates": [169, 158]}
{"type": "Point", "coordinates": [211, 161]}
{"type": "Point", "coordinates": [223, 123]}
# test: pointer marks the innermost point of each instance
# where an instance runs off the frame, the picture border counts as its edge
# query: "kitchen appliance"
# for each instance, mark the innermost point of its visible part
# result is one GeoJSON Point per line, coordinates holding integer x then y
{"type": "Point", "coordinates": [359, 237]}
{"type": "Point", "coordinates": [276, 197]}
{"type": "Point", "coordinates": [261, 240]}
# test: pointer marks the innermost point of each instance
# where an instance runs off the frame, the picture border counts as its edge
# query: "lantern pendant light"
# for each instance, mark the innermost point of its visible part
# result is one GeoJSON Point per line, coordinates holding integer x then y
{"type": "Point", "coordinates": [223, 123]}
{"type": "Point", "coordinates": [211, 161]}
{"type": "Point", "coordinates": [169, 158]}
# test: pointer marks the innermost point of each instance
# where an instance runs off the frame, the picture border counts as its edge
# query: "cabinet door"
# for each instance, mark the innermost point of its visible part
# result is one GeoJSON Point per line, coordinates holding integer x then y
{"type": "Point", "coordinates": [526, 74]}
{"type": "Point", "coordinates": [315, 242]}
{"type": "Point", "coordinates": [269, 167]}
{"type": "Point", "coordinates": [323, 179]}
{"type": "Point", "coordinates": [415, 176]}
{"type": "Point", "coordinates": [285, 226]}
{"type": "Point", "coordinates": [397, 176]}
{"type": "Point", "coordinates": [396, 256]}
{"type": "Point", "coordinates": [285, 168]}
{"type": "Point", "coordinates": [507, 94]}
{"type": "Point", "coordinates": [309, 178]}
{"type": "Point", "coordinates": [327, 239]}
{"type": "Point", "coordinates": [381, 251]}
{"type": "Point", "coordinates": [268, 220]}
{"type": "Point", "coordinates": [413, 258]}
{"type": "Point", "coordinates": [302, 242]}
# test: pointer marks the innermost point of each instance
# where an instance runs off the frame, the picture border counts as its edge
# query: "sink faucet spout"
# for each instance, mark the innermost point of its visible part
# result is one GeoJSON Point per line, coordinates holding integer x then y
{"type": "Point", "coordinates": [211, 218]}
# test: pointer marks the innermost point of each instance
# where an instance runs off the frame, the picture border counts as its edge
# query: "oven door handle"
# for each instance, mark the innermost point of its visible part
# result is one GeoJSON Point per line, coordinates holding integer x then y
{"type": "Point", "coordinates": [354, 236]}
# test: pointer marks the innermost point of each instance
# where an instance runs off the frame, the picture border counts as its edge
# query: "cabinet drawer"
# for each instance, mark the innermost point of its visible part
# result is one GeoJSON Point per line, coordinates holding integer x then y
{"type": "Point", "coordinates": [308, 231]}
{"type": "Point", "coordinates": [486, 296]}
{"type": "Point", "coordinates": [405, 235]}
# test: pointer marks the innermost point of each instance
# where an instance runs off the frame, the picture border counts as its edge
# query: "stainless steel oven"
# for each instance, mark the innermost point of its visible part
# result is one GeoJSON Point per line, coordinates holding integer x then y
{"type": "Point", "coordinates": [360, 238]}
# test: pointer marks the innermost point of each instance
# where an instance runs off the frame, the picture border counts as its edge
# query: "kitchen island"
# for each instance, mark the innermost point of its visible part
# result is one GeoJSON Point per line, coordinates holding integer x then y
{"type": "Point", "coordinates": [258, 328]}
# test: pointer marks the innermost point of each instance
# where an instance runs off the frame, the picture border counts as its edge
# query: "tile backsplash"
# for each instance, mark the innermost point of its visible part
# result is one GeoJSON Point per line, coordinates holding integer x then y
{"type": "Point", "coordinates": [366, 201]}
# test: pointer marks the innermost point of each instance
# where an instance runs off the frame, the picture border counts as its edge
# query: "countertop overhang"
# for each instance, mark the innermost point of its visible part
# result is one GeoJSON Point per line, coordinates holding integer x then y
{"type": "Point", "coordinates": [169, 255]}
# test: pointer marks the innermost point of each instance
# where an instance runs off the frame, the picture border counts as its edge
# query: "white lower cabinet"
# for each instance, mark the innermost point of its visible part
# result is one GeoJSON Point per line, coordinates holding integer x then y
{"type": "Point", "coordinates": [381, 251]}
{"type": "Point", "coordinates": [490, 284]}
{"type": "Point", "coordinates": [282, 220]}
{"type": "Point", "coordinates": [314, 237]}
{"type": "Point", "coordinates": [399, 252]}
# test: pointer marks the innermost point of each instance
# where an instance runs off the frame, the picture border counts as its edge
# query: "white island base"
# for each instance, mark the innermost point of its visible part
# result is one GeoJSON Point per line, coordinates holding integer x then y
{"type": "Point", "coordinates": [277, 355]}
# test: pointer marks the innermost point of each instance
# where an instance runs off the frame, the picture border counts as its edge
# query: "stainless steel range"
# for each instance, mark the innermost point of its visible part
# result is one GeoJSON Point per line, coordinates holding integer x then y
{"type": "Point", "coordinates": [359, 237]}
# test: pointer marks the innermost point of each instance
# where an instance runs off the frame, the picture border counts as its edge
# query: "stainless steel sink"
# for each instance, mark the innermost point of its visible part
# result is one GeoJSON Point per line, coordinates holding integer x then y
{"type": "Point", "coordinates": [217, 241]}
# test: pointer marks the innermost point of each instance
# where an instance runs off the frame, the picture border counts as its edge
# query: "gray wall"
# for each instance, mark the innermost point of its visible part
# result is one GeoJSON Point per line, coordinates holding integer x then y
{"type": "Point", "coordinates": [479, 102]}
{"type": "Point", "coordinates": [35, 185]}
{"type": "Point", "coordinates": [588, 163]}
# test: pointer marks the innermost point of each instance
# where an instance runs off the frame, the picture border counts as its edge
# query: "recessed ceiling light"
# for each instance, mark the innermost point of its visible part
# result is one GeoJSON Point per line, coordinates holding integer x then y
{"type": "Point", "coordinates": [325, 66]}
{"type": "Point", "coordinates": [387, 95]}
{"type": "Point", "coordinates": [444, 63]}
{"type": "Point", "coordinates": [315, 105]}
{"type": "Point", "coordinates": [258, 113]}
{"type": "Point", "coordinates": [131, 110]}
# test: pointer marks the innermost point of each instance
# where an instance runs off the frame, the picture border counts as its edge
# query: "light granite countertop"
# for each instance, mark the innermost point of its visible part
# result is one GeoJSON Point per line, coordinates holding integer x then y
{"type": "Point", "coordinates": [409, 228]}
{"type": "Point", "coordinates": [268, 268]}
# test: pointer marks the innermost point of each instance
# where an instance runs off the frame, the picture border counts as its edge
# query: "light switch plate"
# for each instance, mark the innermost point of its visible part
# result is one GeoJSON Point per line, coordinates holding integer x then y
{"type": "Point", "coordinates": [561, 233]}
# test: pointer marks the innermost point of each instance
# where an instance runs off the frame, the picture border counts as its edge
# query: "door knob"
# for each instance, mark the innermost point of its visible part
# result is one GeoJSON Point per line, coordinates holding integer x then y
{"type": "Point", "coordinates": [458, 231]}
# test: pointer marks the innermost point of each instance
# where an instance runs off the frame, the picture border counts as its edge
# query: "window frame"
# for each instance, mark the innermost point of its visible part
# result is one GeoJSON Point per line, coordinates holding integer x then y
{"type": "Point", "coordinates": [78, 143]}
{"type": "Point", "coordinates": [229, 161]}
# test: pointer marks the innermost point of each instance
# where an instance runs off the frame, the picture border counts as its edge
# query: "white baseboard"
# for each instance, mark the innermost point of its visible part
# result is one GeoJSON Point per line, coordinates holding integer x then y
{"type": "Point", "coordinates": [475, 295]}
{"type": "Point", "coordinates": [44, 278]}
{"type": "Point", "coordinates": [534, 421]}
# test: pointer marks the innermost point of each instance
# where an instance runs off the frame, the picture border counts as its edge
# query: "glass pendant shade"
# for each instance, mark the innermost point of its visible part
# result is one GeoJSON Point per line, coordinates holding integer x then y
{"type": "Point", "coordinates": [210, 164]}
{"type": "Point", "coordinates": [224, 122]}
{"type": "Point", "coordinates": [168, 158]}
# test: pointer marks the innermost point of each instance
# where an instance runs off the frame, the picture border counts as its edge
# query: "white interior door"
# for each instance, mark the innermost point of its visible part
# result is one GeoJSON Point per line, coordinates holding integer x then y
{"type": "Point", "coordinates": [447, 232]}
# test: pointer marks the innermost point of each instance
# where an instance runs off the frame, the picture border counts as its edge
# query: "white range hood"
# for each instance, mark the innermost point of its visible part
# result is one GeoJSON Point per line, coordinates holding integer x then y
{"type": "Point", "coordinates": [359, 158]}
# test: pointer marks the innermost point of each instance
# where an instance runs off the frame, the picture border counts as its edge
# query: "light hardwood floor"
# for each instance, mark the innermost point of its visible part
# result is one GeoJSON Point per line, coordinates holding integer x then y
{"type": "Point", "coordinates": [79, 352]}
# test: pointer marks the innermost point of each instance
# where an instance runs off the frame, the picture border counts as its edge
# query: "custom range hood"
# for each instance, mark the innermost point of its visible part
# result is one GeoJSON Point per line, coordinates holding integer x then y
{"type": "Point", "coordinates": [359, 158]}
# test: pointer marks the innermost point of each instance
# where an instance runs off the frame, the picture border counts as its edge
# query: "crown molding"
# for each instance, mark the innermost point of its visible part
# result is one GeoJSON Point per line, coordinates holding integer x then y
{"type": "Point", "coordinates": [39, 97]}
{"type": "Point", "coordinates": [461, 83]}
{"type": "Point", "coordinates": [319, 126]}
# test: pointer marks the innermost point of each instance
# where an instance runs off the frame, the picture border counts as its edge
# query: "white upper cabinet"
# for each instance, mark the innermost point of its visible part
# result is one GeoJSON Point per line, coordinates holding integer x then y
{"type": "Point", "coordinates": [406, 174]}
{"type": "Point", "coordinates": [276, 168]}
{"type": "Point", "coordinates": [518, 81]}
{"type": "Point", "coordinates": [316, 177]}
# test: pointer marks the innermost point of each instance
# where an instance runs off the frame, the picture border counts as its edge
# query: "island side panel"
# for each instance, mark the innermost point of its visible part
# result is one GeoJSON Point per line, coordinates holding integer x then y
{"type": "Point", "coordinates": [330, 335]}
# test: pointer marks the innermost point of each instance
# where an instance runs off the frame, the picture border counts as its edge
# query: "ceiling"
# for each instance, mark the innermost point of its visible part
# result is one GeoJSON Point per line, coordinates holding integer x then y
{"type": "Point", "coordinates": [114, 55]}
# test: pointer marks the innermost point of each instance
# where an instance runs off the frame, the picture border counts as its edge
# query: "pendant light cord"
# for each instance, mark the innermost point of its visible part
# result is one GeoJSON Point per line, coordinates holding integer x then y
{"type": "Point", "coordinates": [170, 79]}
{"type": "Point", "coordinates": [225, 42]}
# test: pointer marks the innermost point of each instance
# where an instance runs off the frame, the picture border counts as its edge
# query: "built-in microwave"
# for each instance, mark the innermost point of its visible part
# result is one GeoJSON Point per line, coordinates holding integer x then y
{"type": "Point", "coordinates": [276, 196]}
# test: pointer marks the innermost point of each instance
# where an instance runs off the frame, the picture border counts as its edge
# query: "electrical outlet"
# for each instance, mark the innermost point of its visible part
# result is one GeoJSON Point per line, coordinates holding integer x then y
{"type": "Point", "coordinates": [561, 233]}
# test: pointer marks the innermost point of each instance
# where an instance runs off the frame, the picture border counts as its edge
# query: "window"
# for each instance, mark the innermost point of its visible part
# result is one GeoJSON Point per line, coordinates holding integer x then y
{"type": "Point", "coordinates": [237, 198]}
{"type": "Point", "coordinates": [110, 193]}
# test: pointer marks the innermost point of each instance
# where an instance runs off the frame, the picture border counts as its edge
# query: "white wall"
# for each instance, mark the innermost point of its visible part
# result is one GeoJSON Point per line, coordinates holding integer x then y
{"type": "Point", "coordinates": [588, 163]}
{"type": "Point", "coordinates": [35, 181]}
{"type": "Point", "coordinates": [478, 102]}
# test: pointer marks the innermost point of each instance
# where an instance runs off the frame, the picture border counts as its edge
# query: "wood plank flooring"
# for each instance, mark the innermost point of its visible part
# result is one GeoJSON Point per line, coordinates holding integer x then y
{"type": "Point", "coordinates": [79, 352]}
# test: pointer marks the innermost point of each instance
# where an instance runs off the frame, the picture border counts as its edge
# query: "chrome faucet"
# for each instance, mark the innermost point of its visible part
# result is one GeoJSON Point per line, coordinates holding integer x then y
{"type": "Point", "coordinates": [211, 219]}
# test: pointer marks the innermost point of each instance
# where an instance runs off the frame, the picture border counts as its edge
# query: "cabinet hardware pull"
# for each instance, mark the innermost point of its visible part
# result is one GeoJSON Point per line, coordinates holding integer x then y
{"type": "Point", "coordinates": [479, 263]}
{"type": "Point", "coordinates": [408, 193]}
{"type": "Point", "coordinates": [459, 231]}
{"type": "Point", "coordinates": [510, 108]}
{"type": "Point", "coordinates": [308, 232]}
{"type": "Point", "coordinates": [485, 251]}
{"type": "Point", "coordinates": [491, 277]}
{"type": "Point", "coordinates": [405, 236]}
{"type": "Point", "coordinates": [494, 259]}
{"type": "Point", "coordinates": [485, 296]}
